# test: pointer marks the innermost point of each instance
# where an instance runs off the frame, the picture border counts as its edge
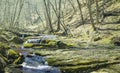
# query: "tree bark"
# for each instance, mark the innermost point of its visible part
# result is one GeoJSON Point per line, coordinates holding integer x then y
{"type": "Point", "coordinates": [97, 12]}
{"type": "Point", "coordinates": [89, 3]}
{"type": "Point", "coordinates": [59, 16]}
{"type": "Point", "coordinates": [81, 14]}
{"type": "Point", "coordinates": [48, 16]}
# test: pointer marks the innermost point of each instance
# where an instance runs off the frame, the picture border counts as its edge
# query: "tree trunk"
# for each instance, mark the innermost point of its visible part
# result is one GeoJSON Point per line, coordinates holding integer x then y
{"type": "Point", "coordinates": [97, 12]}
{"type": "Point", "coordinates": [59, 16]}
{"type": "Point", "coordinates": [90, 14]}
{"type": "Point", "coordinates": [81, 14]}
{"type": "Point", "coordinates": [48, 16]}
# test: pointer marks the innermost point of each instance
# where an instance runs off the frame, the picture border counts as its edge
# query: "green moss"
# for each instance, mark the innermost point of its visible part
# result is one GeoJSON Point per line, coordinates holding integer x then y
{"type": "Point", "coordinates": [115, 41]}
{"type": "Point", "coordinates": [74, 69]}
{"type": "Point", "coordinates": [52, 61]}
{"type": "Point", "coordinates": [52, 43]}
{"type": "Point", "coordinates": [19, 60]}
{"type": "Point", "coordinates": [28, 45]}
{"type": "Point", "coordinates": [3, 62]}
{"type": "Point", "coordinates": [61, 45]}
{"type": "Point", "coordinates": [17, 40]}
{"type": "Point", "coordinates": [3, 39]}
{"type": "Point", "coordinates": [4, 58]}
{"type": "Point", "coordinates": [12, 69]}
{"type": "Point", "coordinates": [12, 55]}
{"type": "Point", "coordinates": [105, 41]}
{"type": "Point", "coordinates": [3, 48]}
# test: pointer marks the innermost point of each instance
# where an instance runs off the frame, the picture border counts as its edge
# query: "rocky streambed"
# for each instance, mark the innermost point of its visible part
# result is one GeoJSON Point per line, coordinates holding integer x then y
{"type": "Point", "coordinates": [84, 60]}
{"type": "Point", "coordinates": [31, 64]}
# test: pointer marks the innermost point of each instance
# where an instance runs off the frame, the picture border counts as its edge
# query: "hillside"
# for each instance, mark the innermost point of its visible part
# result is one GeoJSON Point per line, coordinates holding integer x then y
{"type": "Point", "coordinates": [87, 34]}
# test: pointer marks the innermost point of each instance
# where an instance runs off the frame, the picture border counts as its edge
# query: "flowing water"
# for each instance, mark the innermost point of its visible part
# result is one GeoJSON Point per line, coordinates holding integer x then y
{"type": "Point", "coordinates": [36, 64]}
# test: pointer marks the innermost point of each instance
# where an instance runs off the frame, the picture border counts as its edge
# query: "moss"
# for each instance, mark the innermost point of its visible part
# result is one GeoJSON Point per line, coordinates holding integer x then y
{"type": "Point", "coordinates": [104, 41]}
{"type": "Point", "coordinates": [19, 60]}
{"type": "Point", "coordinates": [12, 55]}
{"type": "Point", "coordinates": [3, 39]}
{"type": "Point", "coordinates": [4, 58]}
{"type": "Point", "coordinates": [115, 41]}
{"type": "Point", "coordinates": [61, 45]}
{"type": "Point", "coordinates": [75, 69]}
{"type": "Point", "coordinates": [17, 40]}
{"type": "Point", "coordinates": [28, 45]}
{"type": "Point", "coordinates": [97, 38]}
{"type": "Point", "coordinates": [12, 69]}
{"type": "Point", "coordinates": [52, 43]}
{"type": "Point", "coordinates": [115, 67]}
{"type": "Point", "coordinates": [2, 62]}
{"type": "Point", "coordinates": [52, 61]}
{"type": "Point", "coordinates": [3, 48]}
{"type": "Point", "coordinates": [73, 62]}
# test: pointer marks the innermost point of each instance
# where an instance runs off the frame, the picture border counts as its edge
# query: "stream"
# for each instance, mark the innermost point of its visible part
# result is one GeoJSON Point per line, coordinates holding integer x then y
{"type": "Point", "coordinates": [36, 64]}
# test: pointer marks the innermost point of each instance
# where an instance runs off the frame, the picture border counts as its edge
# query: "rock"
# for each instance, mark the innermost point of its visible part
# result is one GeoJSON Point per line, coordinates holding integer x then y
{"type": "Point", "coordinates": [3, 48]}
{"type": "Point", "coordinates": [19, 60]}
{"type": "Point", "coordinates": [12, 55]}
{"type": "Point", "coordinates": [115, 41]}
{"type": "Point", "coordinates": [3, 63]}
{"type": "Point", "coordinates": [17, 40]}
{"type": "Point", "coordinates": [12, 69]}
{"type": "Point", "coordinates": [61, 44]}
{"type": "Point", "coordinates": [97, 38]}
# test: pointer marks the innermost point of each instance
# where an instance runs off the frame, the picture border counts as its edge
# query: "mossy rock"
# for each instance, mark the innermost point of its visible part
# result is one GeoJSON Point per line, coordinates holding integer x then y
{"type": "Point", "coordinates": [17, 40]}
{"type": "Point", "coordinates": [19, 60]}
{"type": "Point", "coordinates": [27, 45]}
{"type": "Point", "coordinates": [46, 41]}
{"type": "Point", "coordinates": [115, 41]}
{"type": "Point", "coordinates": [97, 38]}
{"type": "Point", "coordinates": [13, 69]}
{"type": "Point", "coordinates": [3, 39]}
{"type": "Point", "coordinates": [3, 48]}
{"type": "Point", "coordinates": [12, 55]}
{"type": "Point", "coordinates": [52, 44]}
{"type": "Point", "coordinates": [3, 62]}
{"type": "Point", "coordinates": [61, 45]}
{"type": "Point", "coordinates": [4, 58]}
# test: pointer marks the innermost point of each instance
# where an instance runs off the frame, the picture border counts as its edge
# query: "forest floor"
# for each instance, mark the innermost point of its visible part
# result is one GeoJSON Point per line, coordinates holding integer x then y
{"type": "Point", "coordinates": [90, 60]}
{"type": "Point", "coordinates": [91, 52]}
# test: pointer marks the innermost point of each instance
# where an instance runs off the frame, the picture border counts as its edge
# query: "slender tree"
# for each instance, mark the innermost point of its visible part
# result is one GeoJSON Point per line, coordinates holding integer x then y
{"type": "Point", "coordinates": [89, 3]}
{"type": "Point", "coordinates": [81, 14]}
{"type": "Point", "coordinates": [71, 3]}
{"type": "Point", "coordinates": [21, 3]}
{"type": "Point", "coordinates": [97, 12]}
{"type": "Point", "coordinates": [59, 16]}
{"type": "Point", "coordinates": [48, 15]}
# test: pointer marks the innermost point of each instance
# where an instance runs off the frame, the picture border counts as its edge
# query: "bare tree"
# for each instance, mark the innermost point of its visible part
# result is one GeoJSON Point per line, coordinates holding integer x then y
{"type": "Point", "coordinates": [14, 13]}
{"type": "Point", "coordinates": [81, 14]}
{"type": "Point", "coordinates": [21, 3]}
{"type": "Point", "coordinates": [71, 3]}
{"type": "Point", "coordinates": [59, 16]}
{"type": "Point", "coordinates": [89, 3]}
{"type": "Point", "coordinates": [48, 15]}
{"type": "Point", "coordinates": [97, 12]}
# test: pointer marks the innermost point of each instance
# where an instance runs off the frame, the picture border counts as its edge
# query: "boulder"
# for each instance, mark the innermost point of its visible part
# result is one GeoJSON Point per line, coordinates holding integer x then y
{"type": "Point", "coordinates": [115, 41]}
{"type": "Point", "coordinates": [12, 55]}
{"type": "Point", "coordinates": [19, 60]}
{"type": "Point", "coordinates": [60, 44]}
{"type": "Point", "coordinates": [13, 69]}
{"type": "Point", "coordinates": [3, 63]}
{"type": "Point", "coordinates": [17, 40]}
